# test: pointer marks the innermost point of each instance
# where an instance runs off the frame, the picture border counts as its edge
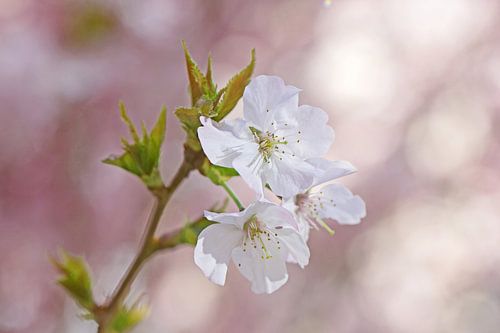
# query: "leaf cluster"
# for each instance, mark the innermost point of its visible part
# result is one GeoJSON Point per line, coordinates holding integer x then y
{"type": "Point", "coordinates": [206, 99]}
{"type": "Point", "coordinates": [141, 156]}
{"type": "Point", "coordinates": [75, 279]}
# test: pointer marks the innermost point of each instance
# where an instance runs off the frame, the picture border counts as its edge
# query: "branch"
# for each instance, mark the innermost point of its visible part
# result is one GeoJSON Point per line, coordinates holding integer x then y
{"type": "Point", "coordinates": [148, 243]}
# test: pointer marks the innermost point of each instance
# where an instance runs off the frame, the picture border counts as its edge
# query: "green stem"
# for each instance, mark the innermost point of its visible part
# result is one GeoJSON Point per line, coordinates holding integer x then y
{"type": "Point", "coordinates": [233, 196]}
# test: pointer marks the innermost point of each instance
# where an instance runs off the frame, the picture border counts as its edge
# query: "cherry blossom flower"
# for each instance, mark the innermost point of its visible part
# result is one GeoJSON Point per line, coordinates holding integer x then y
{"type": "Point", "coordinates": [259, 240]}
{"type": "Point", "coordinates": [277, 143]}
{"type": "Point", "coordinates": [331, 202]}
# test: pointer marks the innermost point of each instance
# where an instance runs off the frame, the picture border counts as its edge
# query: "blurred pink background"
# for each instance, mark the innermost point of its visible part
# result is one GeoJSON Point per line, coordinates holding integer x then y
{"type": "Point", "coordinates": [412, 90]}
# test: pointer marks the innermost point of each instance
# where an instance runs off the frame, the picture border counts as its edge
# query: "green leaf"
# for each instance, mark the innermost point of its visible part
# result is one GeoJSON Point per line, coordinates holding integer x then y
{"type": "Point", "coordinates": [128, 122]}
{"type": "Point", "coordinates": [209, 74]}
{"type": "Point", "coordinates": [190, 120]}
{"type": "Point", "coordinates": [197, 81]}
{"type": "Point", "coordinates": [158, 131]}
{"type": "Point", "coordinates": [234, 89]}
{"type": "Point", "coordinates": [127, 318]}
{"type": "Point", "coordinates": [141, 157]}
{"type": "Point", "coordinates": [75, 279]}
{"type": "Point", "coordinates": [217, 174]}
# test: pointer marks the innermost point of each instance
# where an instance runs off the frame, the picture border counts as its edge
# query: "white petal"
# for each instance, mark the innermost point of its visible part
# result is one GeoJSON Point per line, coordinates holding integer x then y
{"type": "Point", "coordinates": [239, 127]}
{"type": "Point", "coordinates": [288, 176]}
{"type": "Point", "coordinates": [328, 170]}
{"type": "Point", "coordinates": [213, 250]}
{"type": "Point", "coordinates": [219, 142]}
{"type": "Point", "coordinates": [289, 204]}
{"type": "Point", "coordinates": [295, 244]}
{"type": "Point", "coordinates": [302, 225]}
{"type": "Point", "coordinates": [277, 216]}
{"type": "Point", "coordinates": [266, 275]}
{"type": "Point", "coordinates": [304, 228]}
{"type": "Point", "coordinates": [266, 95]}
{"type": "Point", "coordinates": [238, 219]}
{"type": "Point", "coordinates": [308, 133]}
{"type": "Point", "coordinates": [341, 205]}
{"type": "Point", "coordinates": [304, 231]}
{"type": "Point", "coordinates": [249, 165]}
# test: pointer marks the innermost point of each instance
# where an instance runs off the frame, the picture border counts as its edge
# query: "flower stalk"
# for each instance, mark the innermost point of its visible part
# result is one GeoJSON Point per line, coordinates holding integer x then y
{"type": "Point", "coordinates": [233, 196]}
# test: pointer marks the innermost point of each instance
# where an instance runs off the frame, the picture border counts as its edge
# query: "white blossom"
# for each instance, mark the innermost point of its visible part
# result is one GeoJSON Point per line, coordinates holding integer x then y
{"type": "Point", "coordinates": [333, 202]}
{"type": "Point", "coordinates": [259, 240]}
{"type": "Point", "coordinates": [277, 143]}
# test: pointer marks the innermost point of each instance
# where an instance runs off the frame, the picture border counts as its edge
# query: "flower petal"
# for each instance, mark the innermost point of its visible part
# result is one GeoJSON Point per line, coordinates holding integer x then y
{"type": "Point", "coordinates": [249, 166]}
{"type": "Point", "coordinates": [288, 176]}
{"type": "Point", "coordinates": [295, 244]}
{"type": "Point", "coordinates": [266, 95]}
{"type": "Point", "coordinates": [239, 127]}
{"type": "Point", "coordinates": [213, 250]}
{"type": "Point", "coordinates": [308, 133]}
{"type": "Point", "coordinates": [302, 224]}
{"type": "Point", "coordinates": [236, 219]}
{"type": "Point", "coordinates": [219, 142]}
{"type": "Point", "coordinates": [329, 170]}
{"type": "Point", "coordinates": [276, 216]}
{"type": "Point", "coordinates": [266, 275]}
{"type": "Point", "coordinates": [341, 205]}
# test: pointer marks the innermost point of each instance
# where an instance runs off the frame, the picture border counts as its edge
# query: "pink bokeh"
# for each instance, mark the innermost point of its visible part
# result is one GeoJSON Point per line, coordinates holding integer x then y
{"type": "Point", "coordinates": [412, 90]}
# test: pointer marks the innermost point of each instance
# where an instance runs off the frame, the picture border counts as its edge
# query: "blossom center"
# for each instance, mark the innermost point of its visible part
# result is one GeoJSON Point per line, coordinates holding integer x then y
{"type": "Point", "coordinates": [309, 206]}
{"type": "Point", "coordinates": [259, 237]}
{"type": "Point", "coordinates": [268, 142]}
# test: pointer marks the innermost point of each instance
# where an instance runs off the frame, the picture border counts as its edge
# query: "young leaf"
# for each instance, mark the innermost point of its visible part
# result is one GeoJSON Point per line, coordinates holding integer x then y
{"type": "Point", "coordinates": [197, 81]}
{"type": "Point", "coordinates": [141, 157]}
{"type": "Point", "coordinates": [209, 74]}
{"type": "Point", "coordinates": [127, 318]}
{"type": "Point", "coordinates": [234, 90]}
{"type": "Point", "coordinates": [190, 120]}
{"type": "Point", "coordinates": [128, 122]}
{"type": "Point", "coordinates": [158, 131]}
{"type": "Point", "coordinates": [75, 278]}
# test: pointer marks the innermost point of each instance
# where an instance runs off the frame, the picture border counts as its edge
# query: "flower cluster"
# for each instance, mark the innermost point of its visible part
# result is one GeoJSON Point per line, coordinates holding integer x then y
{"type": "Point", "coordinates": [277, 145]}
